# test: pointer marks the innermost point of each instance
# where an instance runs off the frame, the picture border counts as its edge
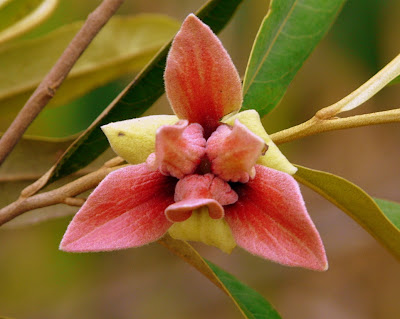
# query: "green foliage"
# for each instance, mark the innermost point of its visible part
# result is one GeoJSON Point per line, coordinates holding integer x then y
{"type": "Point", "coordinates": [18, 17]}
{"type": "Point", "coordinates": [136, 98]}
{"type": "Point", "coordinates": [289, 33]}
{"type": "Point", "coordinates": [253, 305]}
{"type": "Point", "coordinates": [391, 210]}
{"type": "Point", "coordinates": [357, 204]}
{"type": "Point", "coordinates": [124, 45]}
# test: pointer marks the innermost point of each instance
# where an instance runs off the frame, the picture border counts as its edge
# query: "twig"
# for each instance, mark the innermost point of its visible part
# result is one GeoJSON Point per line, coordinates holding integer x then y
{"type": "Point", "coordinates": [64, 194]}
{"type": "Point", "coordinates": [317, 125]}
{"type": "Point", "coordinates": [47, 88]}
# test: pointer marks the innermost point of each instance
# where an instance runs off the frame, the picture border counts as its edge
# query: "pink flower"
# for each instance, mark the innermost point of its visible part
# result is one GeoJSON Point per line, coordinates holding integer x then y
{"type": "Point", "coordinates": [208, 174]}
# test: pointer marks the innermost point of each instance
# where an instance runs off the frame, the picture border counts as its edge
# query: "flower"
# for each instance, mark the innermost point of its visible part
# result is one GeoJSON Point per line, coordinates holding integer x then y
{"type": "Point", "coordinates": [208, 174]}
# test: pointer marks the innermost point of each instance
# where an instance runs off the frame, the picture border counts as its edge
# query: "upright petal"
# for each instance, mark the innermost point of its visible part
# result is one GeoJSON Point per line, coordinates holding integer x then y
{"type": "Point", "coordinates": [125, 210]}
{"type": "Point", "coordinates": [134, 140]}
{"type": "Point", "coordinates": [234, 152]}
{"type": "Point", "coordinates": [179, 149]}
{"type": "Point", "coordinates": [273, 157]}
{"type": "Point", "coordinates": [201, 81]}
{"type": "Point", "coordinates": [270, 220]}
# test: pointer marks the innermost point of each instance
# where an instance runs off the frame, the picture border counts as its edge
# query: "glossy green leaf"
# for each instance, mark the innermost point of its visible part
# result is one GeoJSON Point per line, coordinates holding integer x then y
{"type": "Point", "coordinates": [124, 45]}
{"type": "Point", "coordinates": [136, 98]}
{"type": "Point", "coordinates": [289, 33]}
{"type": "Point", "coordinates": [253, 305]}
{"type": "Point", "coordinates": [249, 302]}
{"type": "Point", "coordinates": [20, 16]}
{"type": "Point", "coordinates": [356, 203]}
{"type": "Point", "coordinates": [390, 209]}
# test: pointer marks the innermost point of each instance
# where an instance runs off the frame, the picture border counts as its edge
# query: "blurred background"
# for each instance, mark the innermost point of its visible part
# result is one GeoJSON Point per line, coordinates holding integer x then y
{"type": "Point", "coordinates": [39, 282]}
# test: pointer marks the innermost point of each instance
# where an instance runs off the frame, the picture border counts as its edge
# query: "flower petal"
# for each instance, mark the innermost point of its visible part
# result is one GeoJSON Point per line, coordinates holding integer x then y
{"type": "Point", "coordinates": [270, 220]}
{"type": "Point", "coordinates": [201, 81]}
{"type": "Point", "coordinates": [234, 152]}
{"type": "Point", "coordinates": [134, 140]}
{"type": "Point", "coordinates": [273, 157]}
{"type": "Point", "coordinates": [202, 228]}
{"type": "Point", "coordinates": [195, 191]}
{"type": "Point", "coordinates": [125, 210]}
{"type": "Point", "coordinates": [179, 149]}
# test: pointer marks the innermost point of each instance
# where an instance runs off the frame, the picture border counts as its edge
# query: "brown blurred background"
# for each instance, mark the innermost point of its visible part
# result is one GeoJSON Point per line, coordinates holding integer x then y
{"type": "Point", "coordinates": [39, 282]}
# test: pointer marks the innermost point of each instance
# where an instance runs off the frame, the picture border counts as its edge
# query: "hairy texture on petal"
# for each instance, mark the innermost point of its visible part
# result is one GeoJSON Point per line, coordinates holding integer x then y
{"type": "Point", "coordinates": [234, 152]}
{"type": "Point", "coordinates": [273, 157]}
{"type": "Point", "coordinates": [134, 140]}
{"type": "Point", "coordinates": [201, 81]}
{"type": "Point", "coordinates": [202, 228]}
{"type": "Point", "coordinates": [125, 210]}
{"type": "Point", "coordinates": [179, 149]}
{"type": "Point", "coordinates": [195, 191]}
{"type": "Point", "coordinates": [270, 220]}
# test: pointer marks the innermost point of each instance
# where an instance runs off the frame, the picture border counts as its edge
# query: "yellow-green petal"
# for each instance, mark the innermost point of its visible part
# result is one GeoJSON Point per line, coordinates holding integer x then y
{"type": "Point", "coordinates": [134, 140]}
{"type": "Point", "coordinates": [273, 158]}
{"type": "Point", "coordinates": [201, 227]}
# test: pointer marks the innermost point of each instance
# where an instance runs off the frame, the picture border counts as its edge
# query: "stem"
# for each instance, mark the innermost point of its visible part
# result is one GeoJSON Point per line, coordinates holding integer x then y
{"type": "Point", "coordinates": [317, 125]}
{"type": "Point", "coordinates": [47, 88]}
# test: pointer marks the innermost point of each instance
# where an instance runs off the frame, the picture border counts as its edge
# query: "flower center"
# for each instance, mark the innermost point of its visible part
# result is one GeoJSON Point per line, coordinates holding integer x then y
{"type": "Point", "coordinates": [204, 168]}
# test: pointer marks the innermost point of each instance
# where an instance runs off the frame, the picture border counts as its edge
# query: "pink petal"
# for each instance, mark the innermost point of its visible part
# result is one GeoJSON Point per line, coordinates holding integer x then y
{"type": "Point", "coordinates": [195, 191]}
{"type": "Point", "coordinates": [270, 220]}
{"type": "Point", "coordinates": [234, 152]}
{"type": "Point", "coordinates": [179, 149]}
{"type": "Point", "coordinates": [201, 81]}
{"type": "Point", "coordinates": [125, 210]}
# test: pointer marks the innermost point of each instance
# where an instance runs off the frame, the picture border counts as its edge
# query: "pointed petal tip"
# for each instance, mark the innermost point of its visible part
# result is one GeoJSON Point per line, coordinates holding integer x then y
{"type": "Point", "coordinates": [196, 59]}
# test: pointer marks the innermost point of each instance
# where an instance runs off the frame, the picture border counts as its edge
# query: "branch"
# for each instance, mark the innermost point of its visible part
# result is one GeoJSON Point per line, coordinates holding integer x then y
{"type": "Point", "coordinates": [317, 125]}
{"type": "Point", "coordinates": [47, 88]}
{"type": "Point", "coordinates": [63, 195]}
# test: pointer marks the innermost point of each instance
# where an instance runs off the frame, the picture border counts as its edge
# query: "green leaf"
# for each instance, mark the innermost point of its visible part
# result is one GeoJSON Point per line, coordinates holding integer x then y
{"type": "Point", "coordinates": [136, 98]}
{"type": "Point", "coordinates": [356, 203]}
{"type": "Point", "coordinates": [391, 210]}
{"type": "Point", "coordinates": [124, 45]}
{"type": "Point", "coordinates": [250, 303]}
{"type": "Point", "coordinates": [20, 16]}
{"type": "Point", "coordinates": [289, 33]}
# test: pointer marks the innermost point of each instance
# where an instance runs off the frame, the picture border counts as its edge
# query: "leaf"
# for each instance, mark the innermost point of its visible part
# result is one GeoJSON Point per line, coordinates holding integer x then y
{"type": "Point", "coordinates": [133, 101]}
{"type": "Point", "coordinates": [354, 202]}
{"type": "Point", "coordinates": [20, 16]}
{"type": "Point", "coordinates": [250, 303]}
{"type": "Point", "coordinates": [391, 210]}
{"type": "Point", "coordinates": [125, 44]}
{"type": "Point", "coordinates": [289, 33]}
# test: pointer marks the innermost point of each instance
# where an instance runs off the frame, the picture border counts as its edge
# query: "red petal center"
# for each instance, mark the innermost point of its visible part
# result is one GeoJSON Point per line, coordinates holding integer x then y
{"type": "Point", "coordinates": [195, 191]}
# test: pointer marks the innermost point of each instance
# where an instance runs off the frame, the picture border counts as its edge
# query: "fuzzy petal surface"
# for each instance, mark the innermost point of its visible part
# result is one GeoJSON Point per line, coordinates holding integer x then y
{"type": "Point", "coordinates": [125, 210]}
{"type": "Point", "coordinates": [195, 191]}
{"type": "Point", "coordinates": [273, 158]}
{"type": "Point", "coordinates": [202, 228]}
{"type": "Point", "coordinates": [201, 82]}
{"type": "Point", "coordinates": [270, 220]}
{"type": "Point", "coordinates": [134, 140]}
{"type": "Point", "coordinates": [233, 152]}
{"type": "Point", "coordinates": [179, 149]}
